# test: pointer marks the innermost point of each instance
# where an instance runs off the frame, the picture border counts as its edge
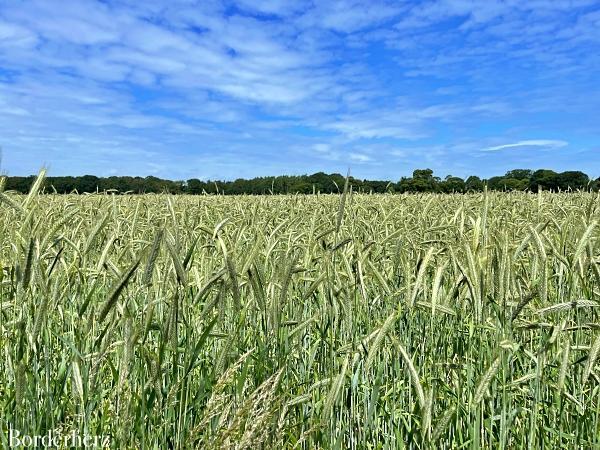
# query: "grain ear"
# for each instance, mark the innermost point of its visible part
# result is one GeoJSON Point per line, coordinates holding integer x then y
{"type": "Point", "coordinates": [112, 298]}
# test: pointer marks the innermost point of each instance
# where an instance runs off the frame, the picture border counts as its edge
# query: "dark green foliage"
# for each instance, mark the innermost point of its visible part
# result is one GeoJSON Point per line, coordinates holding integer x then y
{"type": "Point", "coordinates": [474, 183]}
{"type": "Point", "coordinates": [544, 179]}
{"type": "Point", "coordinates": [452, 184]}
{"type": "Point", "coordinates": [423, 180]}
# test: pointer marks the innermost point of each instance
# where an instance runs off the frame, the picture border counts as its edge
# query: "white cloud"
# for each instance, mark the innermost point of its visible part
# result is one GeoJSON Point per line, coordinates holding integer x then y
{"type": "Point", "coordinates": [548, 143]}
{"type": "Point", "coordinates": [16, 36]}
{"type": "Point", "coordinates": [359, 157]}
{"type": "Point", "coordinates": [274, 7]}
{"type": "Point", "coordinates": [322, 148]}
{"type": "Point", "coordinates": [233, 55]}
{"type": "Point", "coordinates": [372, 129]}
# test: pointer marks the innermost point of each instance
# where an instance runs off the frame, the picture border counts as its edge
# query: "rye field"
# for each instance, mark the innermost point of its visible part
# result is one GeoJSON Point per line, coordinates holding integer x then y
{"type": "Point", "coordinates": [319, 321]}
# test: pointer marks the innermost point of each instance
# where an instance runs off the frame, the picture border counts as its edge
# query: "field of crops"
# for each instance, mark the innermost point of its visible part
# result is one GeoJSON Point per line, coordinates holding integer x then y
{"type": "Point", "coordinates": [325, 321]}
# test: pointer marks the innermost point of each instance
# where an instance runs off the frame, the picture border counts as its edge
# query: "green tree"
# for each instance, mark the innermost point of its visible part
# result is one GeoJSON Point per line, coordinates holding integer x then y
{"type": "Point", "coordinates": [544, 178]}
{"type": "Point", "coordinates": [519, 174]}
{"type": "Point", "coordinates": [421, 181]}
{"type": "Point", "coordinates": [474, 183]}
{"type": "Point", "coordinates": [573, 180]}
{"type": "Point", "coordinates": [452, 184]}
{"type": "Point", "coordinates": [194, 186]}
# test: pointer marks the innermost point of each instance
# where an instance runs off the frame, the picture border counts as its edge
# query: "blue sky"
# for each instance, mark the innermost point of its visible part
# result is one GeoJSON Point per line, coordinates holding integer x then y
{"type": "Point", "coordinates": [223, 89]}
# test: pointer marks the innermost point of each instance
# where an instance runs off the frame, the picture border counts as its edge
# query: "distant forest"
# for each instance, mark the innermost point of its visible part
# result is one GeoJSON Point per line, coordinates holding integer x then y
{"type": "Point", "coordinates": [423, 180]}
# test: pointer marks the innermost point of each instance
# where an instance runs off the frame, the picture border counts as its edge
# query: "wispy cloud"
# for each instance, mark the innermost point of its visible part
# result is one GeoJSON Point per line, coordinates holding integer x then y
{"type": "Point", "coordinates": [547, 143]}
{"type": "Point", "coordinates": [359, 157]}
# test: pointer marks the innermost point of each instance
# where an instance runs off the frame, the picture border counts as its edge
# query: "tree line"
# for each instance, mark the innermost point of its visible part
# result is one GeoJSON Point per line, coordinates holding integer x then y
{"type": "Point", "coordinates": [422, 180]}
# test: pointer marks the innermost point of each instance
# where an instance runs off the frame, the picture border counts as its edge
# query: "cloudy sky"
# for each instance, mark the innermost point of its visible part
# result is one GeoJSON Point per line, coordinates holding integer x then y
{"type": "Point", "coordinates": [223, 89]}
